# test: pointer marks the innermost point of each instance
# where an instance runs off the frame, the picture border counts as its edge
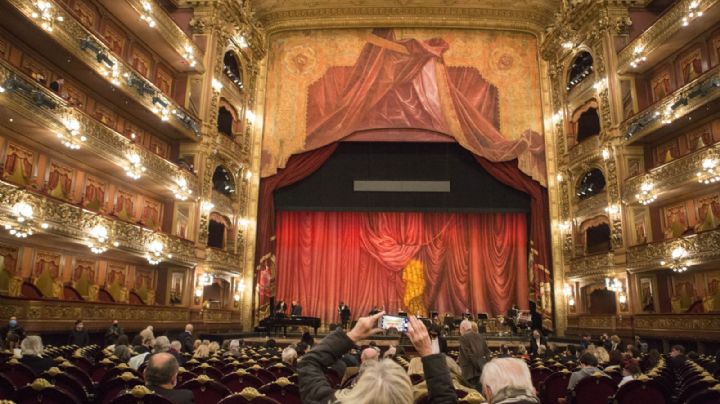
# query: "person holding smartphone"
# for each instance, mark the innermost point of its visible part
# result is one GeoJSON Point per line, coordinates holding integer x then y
{"type": "Point", "coordinates": [384, 380]}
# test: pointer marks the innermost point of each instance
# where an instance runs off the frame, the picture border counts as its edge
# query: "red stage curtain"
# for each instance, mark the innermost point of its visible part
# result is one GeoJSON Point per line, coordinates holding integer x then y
{"type": "Point", "coordinates": [299, 167]}
{"type": "Point", "coordinates": [509, 174]}
{"type": "Point", "coordinates": [411, 260]}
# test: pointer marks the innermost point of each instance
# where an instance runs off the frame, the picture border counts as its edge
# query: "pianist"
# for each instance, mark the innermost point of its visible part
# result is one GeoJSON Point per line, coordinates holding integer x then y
{"type": "Point", "coordinates": [280, 308]}
{"type": "Point", "coordinates": [295, 309]}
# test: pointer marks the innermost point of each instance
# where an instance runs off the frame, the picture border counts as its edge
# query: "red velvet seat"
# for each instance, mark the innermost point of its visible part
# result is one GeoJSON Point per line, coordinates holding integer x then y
{"type": "Point", "coordinates": [19, 374]}
{"type": "Point", "coordinates": [695, 388]}
{"type": "Point", "coordinates": [185, 375]}
{"type": "Point", "coordinates": [538, 375]}
{"type": "Point", "coordinates": [283, 391]}
{"type": "Point", "coordinates": [7, 388]}
{"type": "Point", "coordinates": [264, 374]}
{"type": "Point", "coordinates": [208, 370]}
{"type": "Point", "coordinates": [230, 367]}
{"type": "Point", "coordinates": [205, 390]}
{"type": "Point", "coordinates": [710, 396]}
{"type": "Point", "coordinates": [249, 395]}
{"type": "Point", "coordinates": [119, 370]}
{"type": "Point", "coordinates": [66, 382]}
{"type": "Point", "coordinates": [40, 391]}
{"type": "Point", "coordinates": [78, 374]}
{"type": "Point", "coordinates": [239, 380]}
{"type": "Point", "coordinates": [641, 390]}
{"type": "Point", "coordinates": [554, 387]}
{"type": "Point", "coordinates": [595, 389]}
{"type": "Point", "coordinates": [615, 375]}
{"type": "Point", "coordinates": [140, 395]}
{"type": "Point", "coordinates": [108, 390]}
{"type": "Point", "coordinates": [279, 370]}
{"type": "Point", "coordinates": [98, 371]}
{"type": "Point", "coordinates": [82, 362]}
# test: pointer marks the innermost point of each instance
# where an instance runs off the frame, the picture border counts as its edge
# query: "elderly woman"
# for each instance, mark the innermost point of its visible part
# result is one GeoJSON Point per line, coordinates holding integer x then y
{"type": "Point", "coordinates": [380, 381]}
{"type": "Point", "coordinates": [202, 352]}
{"type": "Point", "coordinates": [32, 351]}
{"type": "Point", "coordinates": [416, 368]}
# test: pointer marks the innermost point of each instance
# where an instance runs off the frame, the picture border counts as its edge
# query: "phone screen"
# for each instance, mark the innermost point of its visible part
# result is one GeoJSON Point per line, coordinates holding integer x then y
{"type": "Point", "coordinates": [399, 323]}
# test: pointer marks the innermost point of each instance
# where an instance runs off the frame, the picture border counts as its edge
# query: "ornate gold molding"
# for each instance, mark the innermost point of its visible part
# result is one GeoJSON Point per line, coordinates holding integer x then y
{"type": "Point", "coordinates": [702, 248]}
{"type": "Point", "coordinates": [220, 260]}
{"type": "Point", "coordinates": [588, 149]}
{"type": "Point", "coordinates": [591, 267]}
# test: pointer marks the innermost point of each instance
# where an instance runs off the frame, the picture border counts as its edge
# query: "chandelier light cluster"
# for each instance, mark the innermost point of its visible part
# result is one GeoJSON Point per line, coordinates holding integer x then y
{"type": "Point", "coordinates": [72, 138]}
{"type": "Point", "coordinates": [647, 194]}
{"type": "Point", "coordinates": [709, 174]}
{"type": "Point", "coordinates": [678, 259]}
{"type": "Point", "coordinates": [23, 226]}
{"type": "Point", "coordinates": [182, 191]}
{"type": "Point", "coordinates": [45, 13]}
{"type": "Point", "coordinates": [100, 239]}
{"type": "Point", "coordinates": [638, 57]}
{"type": "Point", "coordinates": [146, 14]}
{"type": "Point", "coordinates": [189, 55]}
{"type": "Point", "coordinates": [134, 168]}
{"type": "Point", "coordinates": [156, 252]}
{"type": "Point", "coordinates": [692, 13]}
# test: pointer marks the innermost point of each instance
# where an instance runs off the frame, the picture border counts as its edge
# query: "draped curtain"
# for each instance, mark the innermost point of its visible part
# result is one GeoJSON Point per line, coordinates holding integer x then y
{"type": "Point", "coordinates": [415, 261]}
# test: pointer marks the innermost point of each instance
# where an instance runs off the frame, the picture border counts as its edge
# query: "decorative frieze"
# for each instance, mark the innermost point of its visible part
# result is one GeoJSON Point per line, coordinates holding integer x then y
{"type": "Point", "coordinates": [701, 248]}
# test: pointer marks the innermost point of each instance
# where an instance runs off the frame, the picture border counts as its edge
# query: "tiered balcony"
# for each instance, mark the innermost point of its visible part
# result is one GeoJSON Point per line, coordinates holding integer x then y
{"type": "Point", "coordinates": [220, 260]}
{"type": "Point", "coordinates": [81, 43]}
{"type": "Point", "coordinates": [588, 149]}
{"type": "Point", "coordinates": [73, 223]}
{"type": "Point", "coordinates": [591, 266]}
{"type": "Point", "coordinates": [702, 248]}
{"type": "Point", "coordinates": [696, 326]}
{"type": "Point", "coordinates": [45, 111]}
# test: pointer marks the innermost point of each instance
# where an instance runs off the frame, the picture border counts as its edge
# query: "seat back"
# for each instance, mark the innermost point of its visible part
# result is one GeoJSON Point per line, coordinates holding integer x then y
{"type": "Point", "coordinates": [78, 374]}
{"type": "Point", "coordinates": [538, 375]}
{"type": "Point", "coordinates": [19, 374]}
{"type": "Point", "coordinates": [283, 391]}
{"type": "Point", "coordinates": [112, 388]}
{"type": "Point", "coordinates": [595, 389]}
{"type": "Point", "coordinates": [140, 395]}
{"type": "Point", "coordinates": [262, 374]}
{"type": "Point", "coordinates": [185, 375]}
{"type": "Point", "coordinates": [119, 370]}
{"type": "Point", "coordinates": [641, 390]}
{"type": "Point", "coordinates": [41, 391]}
{"type": "Point", "coordinates": [710, 396]}
{"type": "Point", "coordinates": [279, 370]}
{"type": "Point", "coordinates": [239, 380]}
{"type": "Point", "coordinates": [694, 388]}
{"type": "Point", "coordinates": [66, 382]}
{"type": "Point", "coordinates": [205, 390]}
{"type": "Point", "coordinates": [208, 370]}
{"type": "Point", "coordinates": [554, 387]}
{"type": "Point", "coordinates": [7, 388]}
{"type": "Point", "coordinates": [248, 395]}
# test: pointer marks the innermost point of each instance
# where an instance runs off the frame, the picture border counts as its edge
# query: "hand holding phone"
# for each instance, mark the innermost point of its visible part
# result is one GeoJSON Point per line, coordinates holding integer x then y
{"type": "Point", "coordinates": [396, 322]}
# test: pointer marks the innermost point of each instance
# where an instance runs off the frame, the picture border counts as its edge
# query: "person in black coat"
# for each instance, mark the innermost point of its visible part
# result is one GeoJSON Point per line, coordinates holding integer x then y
{"type": "Point", "coordinates": [538, 343]}
{"type": "Point", "coordinates": [79, 336]}
{"type": "Point", "coordinates": [112, 334]}
{"type": "Point", "coordinates": [161, 377]}
{"type": "Point", "coordinates": [186, 339]}
{"type": "Point", "coordinates": [344, 311]}
{"type": "Point", "coordinates": [295, 309]}
{"type": "Point", "coordinates": [280, 308]}
{"type": "Point", "coordinates": [32, 350]}
{"type": "Point", "coordinates": [13, 327]}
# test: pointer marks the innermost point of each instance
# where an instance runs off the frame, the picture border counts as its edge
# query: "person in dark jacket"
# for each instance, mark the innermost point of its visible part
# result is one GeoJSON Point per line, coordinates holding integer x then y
{"type": "Point", "coordinates": [161, 377]}
{"type": "Point", "coordinates": [13, 327]}
{"type": "Point", "coordinates": [538, 343]}
{"type": "Point", "coordinates": [473, 354]}
{"type": "Point", "coordinates": [383, 379]}
{"type": "Point", "coordinates": [112, 334]}
{"type": "Point", "coordinates": [32, 351]}
{"type": "Point", "coordinates": [186, 339]}
{"type": "Point", "coordinates": [677, 357]}
{"type": "Point", "coordinates": [79, 336]}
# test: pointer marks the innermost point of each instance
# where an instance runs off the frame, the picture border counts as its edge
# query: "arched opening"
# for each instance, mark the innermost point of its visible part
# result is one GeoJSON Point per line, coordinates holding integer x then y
{"type": "Point", "coordinates": [225, 121]}
{"type": "Point", "coordinates": [597, 239]}
{"type": "Point", "coordinates": [580, 68]}
{"type": "Point", "coordinates": [599, 299]}
{"type": "Point", "coordinates": [218, 227]}
{"type": "Point", "coordinates": [591, 183]}
{"type": "Point", "coordinates": [232, 68]}
{"type": "Point", "coordinates": [223, 181]}
{"type": "Point", "coordinates": [588, 124]}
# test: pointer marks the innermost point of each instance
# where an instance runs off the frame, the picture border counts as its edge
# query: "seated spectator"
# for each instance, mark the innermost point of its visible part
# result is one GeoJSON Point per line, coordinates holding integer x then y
{"type": "Point", "coordinates": [615, 343]}
{"type": "Point", "coordinates": [455, 373]}
{"type": "Point", "coordinates": [234, 348]}
{"type": "Point", "coordinates": [630, 372]}
{"type": "Point", "coordinates": [693, 356]}
{"type": "Point", "coordinates": [162, 344]}
{"type": "Point", "coordinates": [615, 361]}
{"type": "Point", "coordinates": [145, 346]}
{"type": "Point", "coordinates": [175, 349]}
{"type": "Point", "coordinates": [161, 377]}
{"type": "Point", "coordinates": [289, 357]}
{"type": "Point", "coordinates": [213, 347]}
{"type": "Point", "coordinates": [202, 352]}
{"type": "Point", "coordinates": [633, 352]}
{"type": "Point", "coordinates": [122, 352]}
{"type": "Point", "coordinates": [588, 366]}
{"type": "Point", "coordinates": [196, 344]}
{"type": "Point", "coordinates": [677, 356]}
{"type": "Point", "coordinates": [121, 340]}
{"type": "Point", "coordinates": [32, 355]}
{"type": "Point", "coordinates": [651, 360]}
{"type": "Point", "coordinates": [507, 380]}
{"type": "Point", "coordinates": [79, 336]}
{"type": "Point", "coordinates": [381, 381]}
{"type": "Point", "coordinates": [602, 355]}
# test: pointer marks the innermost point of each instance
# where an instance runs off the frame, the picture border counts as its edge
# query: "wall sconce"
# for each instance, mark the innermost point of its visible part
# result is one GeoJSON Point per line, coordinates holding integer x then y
{"type": "Point", "coordinates": [709, 173]}
{"type": "Point", "coordinates": [217, 86]}
{"type": "Point", "coordinates": [622, 298]}
{"type": "Point", "coordinates": [46, 15]}
{"type": "Point", "coordinates": [207, 206]}
{"type": "Point", "coordinates": [134, 168]}
{"type": "Point", "coordinates": [207, 279]}
{"type": "Point", "coordinates": [250, 116]}
{"type": "Point", "coordinates": [146, 15]}
{"type": "Point", "coordinates": [72, 138]}
{"type": "Point", "coordinates": [556, 118]}
{"type": "Point", "coordinates": [242, 42]}
{"type": "Point", "coordinates": [155, 253]}
{"type": "Point", "coordinates": [564, 226]}
{"type": "Point", "coordinates": [600, 85]}
{"type": "Point", "coordinates": [612, 210]}
{"type": "Point", "coordinates": [248, 175]}
{"type": "Point", "coordinates": [646, 195]}
{"type": "Point", "coordinates": [568, 45]}
{"type": "Point", "coordinates": [677, 261]}
{"type": "Point", "coordinates": [613, 285]}
{"type": "Point", "coordinates": [571, 301]}
{"type": "Point", "coordinates": [605, 154]}
{"type": "Point", "coordinates": [182, 192]}
{"type": "Point", "coordinates": [198, 295]}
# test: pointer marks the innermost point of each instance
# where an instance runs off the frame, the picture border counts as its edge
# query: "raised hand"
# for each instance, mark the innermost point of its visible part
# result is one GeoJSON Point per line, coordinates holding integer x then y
{"type": "Point", "coordinates": [365, 327]}
{"type": "Point", "coordinates": [419, 336]}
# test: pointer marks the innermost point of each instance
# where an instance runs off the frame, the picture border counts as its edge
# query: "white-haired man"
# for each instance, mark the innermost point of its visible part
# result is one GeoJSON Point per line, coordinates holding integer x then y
{"type": "Point", "coordinates": [507, 380]}
{"type": "Point", "coordinates": [289, 357]}
{"type": "Point", "coordinates": [187, 339]}
{"type": "Point", "coordinates": [473, 353]}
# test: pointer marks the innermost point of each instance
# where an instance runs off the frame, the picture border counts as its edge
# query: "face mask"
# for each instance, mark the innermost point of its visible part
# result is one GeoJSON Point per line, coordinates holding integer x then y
{"type": "Point", "coordinates": [13, 323]}
{"type": "Point", "coordinates": [79, 328]}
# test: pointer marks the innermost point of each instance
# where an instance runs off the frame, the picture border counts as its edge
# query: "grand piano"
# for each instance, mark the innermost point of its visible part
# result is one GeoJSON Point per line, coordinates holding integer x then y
{"type": "Point", "coordinates": [275, 323]}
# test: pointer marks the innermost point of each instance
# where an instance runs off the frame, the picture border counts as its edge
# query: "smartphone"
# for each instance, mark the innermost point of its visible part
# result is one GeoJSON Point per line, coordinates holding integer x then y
{"type": "Point", "coordinates": [399, 323]}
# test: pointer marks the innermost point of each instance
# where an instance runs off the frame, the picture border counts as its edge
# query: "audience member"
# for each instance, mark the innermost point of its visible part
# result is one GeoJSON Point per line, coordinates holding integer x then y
{"type": "Point", "coordinates": [602, 355]}
{"type": "Point", "coordinates": [289, 357]}
{"type": "Point", "coordinates": [175, 350]}
{"type": "Point", "coordinates": [538, 343]}
{"type": "Point", "coordinates": [380, 381]}
{"type": "Point", "coordinates": [651, 360]}
{"type": "Point", "coordinates": [615, 359]}
{"type": "Point", "coordinates": [213, 347]}
{"type": "Point", "coordinates": [507, 380]}
{"type": "Point", "coordinates": [588, 366]}
{"type": "Point", "coordinates": [631, 371]}
{"type": "Point", "coordinates": [234, 348]}
{"type": "Point", "coordinates": [202, 352]}
{"type": "Point", "coordinates": [161, 377]}
{"type": "Point", "coordinates": [585, 341]}
{"type": "Point", "coordinates": [112, 334]}
{"type": "Point", "coordinates": [187, 339]}
{"type": "Point", "coordinates": [677, 356]}
{"type": "Point", "coordinates": [12, 345]}
{"type": "Point", "coordinates": [416, 367]}
{"type": "Point", "coordinates": [13, 327]}
{"type": "Point", "coordinates": [473, 353]}
{"type": "Point", "coordinates": [32, 355]}
{"type": "Point", "coordinates": [56, 84]}
{"type": "Point", "coordinates": [123, 353]}
{"type": "Point", "coordinates": [162, 344]}
{"type": "Point", "coordinates": [79, 336]}
{"type": "Point", "coordinates": [615, 344]}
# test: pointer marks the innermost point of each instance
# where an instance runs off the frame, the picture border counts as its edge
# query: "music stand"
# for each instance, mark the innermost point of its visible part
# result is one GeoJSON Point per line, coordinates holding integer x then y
{"type": "Point", "coordinates": [482, 316]}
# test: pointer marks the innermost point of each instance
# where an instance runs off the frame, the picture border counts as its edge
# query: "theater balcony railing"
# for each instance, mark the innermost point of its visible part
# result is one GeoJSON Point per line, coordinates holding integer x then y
{"type": "Point", "coordinates": [700, 249]}
{"type": "Point", "coordinates": [223, 204]}
{"type": "Point", "coordinates": [220, 260]}
{"type": "Point", "coordinates": [215, 315]}
{"type": "Point", "coordinates": [588, 149]}
{"type": "Point", "coordinates": [661, 39]}
{"type": "Point", "coordinates": [165, 37]}
{"type": "Point", "coordinates": [666, 115]}
{"type": "Point", "coordinates": [591, 206]}
{"type": "Point", "coordinates": [231, 148]}
{"type": "Point", "coordinates": [72, 36]}
{"type": "Point", "coordinates": [73, 223]}
{"type": "Point", "coordinates": [671, 179]}
{"type": "Point", "coordinates": [42, 107]}
{"type": "Point", "coordinates": [661, 325]}
{"type": "Point", "coordinates": [595, 266]}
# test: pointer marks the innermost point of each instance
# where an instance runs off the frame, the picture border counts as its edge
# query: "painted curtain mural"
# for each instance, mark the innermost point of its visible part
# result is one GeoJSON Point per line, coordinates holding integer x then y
{"type": "Point", "coordinates": [479, 87]}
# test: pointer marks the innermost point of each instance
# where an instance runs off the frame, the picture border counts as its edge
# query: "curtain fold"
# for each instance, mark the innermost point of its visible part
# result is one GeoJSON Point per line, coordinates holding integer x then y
{"type": "Point", "coordinates": [413, 261]}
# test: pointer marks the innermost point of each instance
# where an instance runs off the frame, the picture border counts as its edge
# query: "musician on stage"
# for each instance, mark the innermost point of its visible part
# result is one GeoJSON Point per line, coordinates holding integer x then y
{"type": "Point", "coordinates": [344, 312]}
{"type": "Point", "coordinates": [295, 309]}
{"type": "Point", "coordinates": [467, 315]}
{"type": "Point", "coordinates": [280, 308]}
{"type": "Point", "coordinates": [511, 318]}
